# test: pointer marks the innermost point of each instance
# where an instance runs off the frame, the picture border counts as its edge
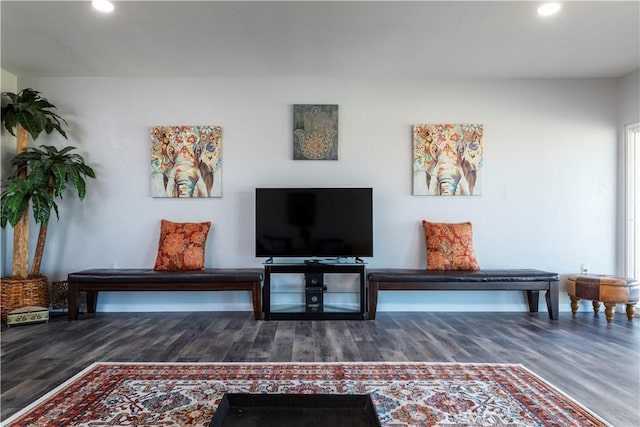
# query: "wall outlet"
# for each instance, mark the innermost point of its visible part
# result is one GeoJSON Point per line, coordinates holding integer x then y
{"type": "Point", "coordinates": [584, 268]}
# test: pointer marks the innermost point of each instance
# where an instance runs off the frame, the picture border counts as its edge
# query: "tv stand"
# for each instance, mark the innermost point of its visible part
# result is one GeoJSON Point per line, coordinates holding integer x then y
{"type": "Point", "coordinates": [314, 290]}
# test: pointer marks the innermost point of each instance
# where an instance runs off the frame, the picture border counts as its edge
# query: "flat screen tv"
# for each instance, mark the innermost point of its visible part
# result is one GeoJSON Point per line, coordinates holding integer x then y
{"type": "Point", "coordinates": [314, 222]}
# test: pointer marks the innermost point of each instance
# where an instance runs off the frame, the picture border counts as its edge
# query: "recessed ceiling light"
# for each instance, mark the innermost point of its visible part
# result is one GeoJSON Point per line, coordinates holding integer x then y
{"type": "Point", "coordinates": [549, 9]}
{"type": "Point", "coordinates": [102, 5]}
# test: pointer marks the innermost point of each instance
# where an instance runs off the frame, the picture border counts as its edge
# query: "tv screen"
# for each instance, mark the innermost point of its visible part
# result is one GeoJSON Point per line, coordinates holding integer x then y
{"type": "Point", "coordinates": [314, 222]}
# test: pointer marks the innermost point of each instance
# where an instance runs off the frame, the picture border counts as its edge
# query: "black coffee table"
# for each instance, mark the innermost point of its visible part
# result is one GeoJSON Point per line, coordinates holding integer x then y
{"type": "Point", "coordinates": [295, 410]}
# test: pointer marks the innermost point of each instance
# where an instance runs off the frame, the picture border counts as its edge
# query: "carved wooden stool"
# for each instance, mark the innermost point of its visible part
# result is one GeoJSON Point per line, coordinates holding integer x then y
{"type": "Point", "coordinates": [609, 290]}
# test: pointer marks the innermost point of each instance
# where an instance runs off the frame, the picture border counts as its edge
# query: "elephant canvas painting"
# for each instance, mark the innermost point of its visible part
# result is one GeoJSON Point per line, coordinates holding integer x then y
{"type": "Point", "coordinates": [315, 132]}
{"type": "Point", "coordinates": [186, 161]}
{"type": "Point", "coordinates": [447, 159]}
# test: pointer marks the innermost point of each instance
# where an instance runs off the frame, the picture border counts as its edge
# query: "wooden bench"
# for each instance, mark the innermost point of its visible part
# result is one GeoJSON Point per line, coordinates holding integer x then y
{"type": "Point", "coordinates": [530, 281]}
{"type": "Point", "coordinates": [141, 279]}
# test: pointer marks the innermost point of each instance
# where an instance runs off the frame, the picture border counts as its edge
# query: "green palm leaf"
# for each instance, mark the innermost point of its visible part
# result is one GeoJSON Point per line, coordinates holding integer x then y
{"type": "Point", "coordinates": [32, 111]}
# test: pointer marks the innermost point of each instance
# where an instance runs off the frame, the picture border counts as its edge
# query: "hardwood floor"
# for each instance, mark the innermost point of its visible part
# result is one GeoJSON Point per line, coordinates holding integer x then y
{"type": "Point", "coordinates": [596, 363]}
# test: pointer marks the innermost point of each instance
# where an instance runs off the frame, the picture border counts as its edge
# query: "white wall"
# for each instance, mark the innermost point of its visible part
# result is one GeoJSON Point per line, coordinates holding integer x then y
{"type": "Point", "coordinates": [548, 199]}
{"type": "Point", "coordinates": [628, 113]}
{"type": "Point", "coordinates": [629, 98]}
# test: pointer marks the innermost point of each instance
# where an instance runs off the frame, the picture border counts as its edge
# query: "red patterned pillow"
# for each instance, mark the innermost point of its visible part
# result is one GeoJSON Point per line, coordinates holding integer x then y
{"type": "Point", "coordinates": [450, 246]}
{"type": "Point", "coordinates": [181, 246]}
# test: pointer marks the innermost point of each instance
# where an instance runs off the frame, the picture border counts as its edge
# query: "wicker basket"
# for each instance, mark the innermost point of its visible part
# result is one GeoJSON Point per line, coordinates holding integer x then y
{"type": "Point", "coordinates": [18, 293]}
{"type": "Point", "coordinates": [59, 295]}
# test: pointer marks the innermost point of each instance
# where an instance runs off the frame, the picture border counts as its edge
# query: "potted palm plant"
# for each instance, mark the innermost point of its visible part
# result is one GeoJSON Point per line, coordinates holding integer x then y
{"type": "Point", "coordinates": [40, 176]}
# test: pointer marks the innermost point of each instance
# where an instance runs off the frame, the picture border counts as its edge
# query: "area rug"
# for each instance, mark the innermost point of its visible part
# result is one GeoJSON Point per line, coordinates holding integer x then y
{"type": "Point", "coordinates": [404, 394]}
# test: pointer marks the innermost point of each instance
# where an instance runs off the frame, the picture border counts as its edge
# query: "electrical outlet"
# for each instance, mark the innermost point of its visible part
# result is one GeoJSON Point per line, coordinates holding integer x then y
{"type": "Point", "coordinates": [584, 268]}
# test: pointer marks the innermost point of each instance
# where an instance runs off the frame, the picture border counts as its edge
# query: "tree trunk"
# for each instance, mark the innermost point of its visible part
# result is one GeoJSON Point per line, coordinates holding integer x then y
{"type": "Point", "coordinates": [20, 262]}
{"type": "Point", "coordinates": [42, 237]}
{"type": "Point", "coordinates": [37, 256]}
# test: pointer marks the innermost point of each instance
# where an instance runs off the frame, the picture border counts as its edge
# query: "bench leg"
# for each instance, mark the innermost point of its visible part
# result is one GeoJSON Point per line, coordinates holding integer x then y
{"type": "Point", "coordinates": [92, 298]}
{"type": "Point", "coordinates": [631, 310]}
{"type": "Point", "coordinates": [608, 311]}
{"type": "Point", "coordinates": [373, 300]}
{"type": "Point", "coordinates": [257, 300]}
{"type": "Point", "coordinates": [596, 306]}
{"type": "Point", "coordinates": [73, 295]}
{"type": "Point", "coordinates": [553, 300]}
{"type": "Point", "coordinates": [574, 304]}
{"type": "Point", "coordinates": [533, 297]}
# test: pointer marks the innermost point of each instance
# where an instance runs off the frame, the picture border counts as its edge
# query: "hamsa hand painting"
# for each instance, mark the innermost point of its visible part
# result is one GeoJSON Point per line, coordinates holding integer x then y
{"type": "Point", "coordinates": [447, 159]}
{"type": "Point", "coordinates": [186, 161]}
{"type": "Point", "coordinates": [315, 132]}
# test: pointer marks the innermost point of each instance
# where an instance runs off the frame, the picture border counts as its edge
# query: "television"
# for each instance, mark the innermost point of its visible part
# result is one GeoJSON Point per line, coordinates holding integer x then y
{"type": "Point", "coordinates": [314, 222]}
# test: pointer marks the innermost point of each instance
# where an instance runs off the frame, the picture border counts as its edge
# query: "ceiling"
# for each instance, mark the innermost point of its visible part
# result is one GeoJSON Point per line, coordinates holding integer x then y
{"type": "Point", "coordinates": [362, 39]}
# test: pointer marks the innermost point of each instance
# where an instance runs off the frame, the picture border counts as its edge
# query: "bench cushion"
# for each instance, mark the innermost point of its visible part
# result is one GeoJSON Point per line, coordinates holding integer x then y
{"type": "Point", "coordinates": [147, 275]}
{"type": "Point", "coordinates": [417, 275]}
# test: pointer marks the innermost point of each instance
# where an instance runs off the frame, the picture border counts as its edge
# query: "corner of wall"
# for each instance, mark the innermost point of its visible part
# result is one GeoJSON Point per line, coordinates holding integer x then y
{"type": "Point", "coordinates": [629, 98]}
{"type": "Point", "coordinates": [8, 83]}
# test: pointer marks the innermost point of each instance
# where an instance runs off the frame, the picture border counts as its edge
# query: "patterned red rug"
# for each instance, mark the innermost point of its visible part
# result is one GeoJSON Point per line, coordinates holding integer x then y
{"type": "Point", "coordinates": [404, 394]}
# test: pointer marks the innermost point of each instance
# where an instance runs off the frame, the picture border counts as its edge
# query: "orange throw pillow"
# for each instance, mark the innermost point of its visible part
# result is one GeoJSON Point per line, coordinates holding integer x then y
{"type": "Point", "coordinates": [450, 246]}
{"type": "Point", "coordinates": [181, 246]}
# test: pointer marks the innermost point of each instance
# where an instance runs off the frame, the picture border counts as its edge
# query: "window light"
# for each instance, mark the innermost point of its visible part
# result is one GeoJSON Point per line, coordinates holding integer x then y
{"type": "Point", "coordinates": [548, 9]}
{"type": "Point", "coordinates": [102, 5]}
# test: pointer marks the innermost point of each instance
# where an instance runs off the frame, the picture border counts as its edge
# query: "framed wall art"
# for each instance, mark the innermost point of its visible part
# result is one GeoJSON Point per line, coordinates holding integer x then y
{"type": "Point", "coordinates": [186, 161]}
{"type": "Point", "coordinates": [315, 132]}
{"type": "Point", "coordinates": [447, 159]}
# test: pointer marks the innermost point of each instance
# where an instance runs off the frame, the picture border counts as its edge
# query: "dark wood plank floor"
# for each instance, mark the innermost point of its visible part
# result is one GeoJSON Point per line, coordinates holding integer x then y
{"type": "Point", "coordinates": [596, 363]}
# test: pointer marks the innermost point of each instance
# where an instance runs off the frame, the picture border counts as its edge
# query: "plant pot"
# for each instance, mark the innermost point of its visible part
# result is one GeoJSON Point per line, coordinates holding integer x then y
{"type": "Point", "coordinates": [59, 295]}
{"type": "Point", "coordinates": [18, 293]}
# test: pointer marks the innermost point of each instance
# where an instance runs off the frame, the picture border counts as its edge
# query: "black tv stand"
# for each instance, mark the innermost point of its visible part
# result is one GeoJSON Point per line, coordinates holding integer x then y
{"type": "Point", "coordinates": [314, 290]}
